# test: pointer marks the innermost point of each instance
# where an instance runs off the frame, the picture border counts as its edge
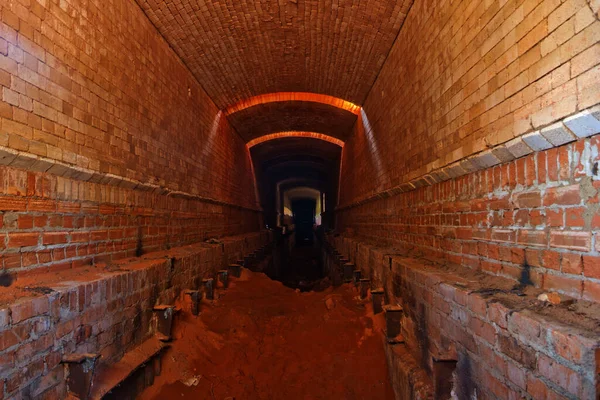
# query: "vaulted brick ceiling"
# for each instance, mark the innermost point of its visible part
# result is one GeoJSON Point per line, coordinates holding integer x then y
{"type": "Point", "coordinates": [240, 48]}
{"type": "Point", "coordinates": [284, 65]}
{"type": "Point", "coordinates": [264, 119]}
{"type": "Point", "coordinates": [295, 150]}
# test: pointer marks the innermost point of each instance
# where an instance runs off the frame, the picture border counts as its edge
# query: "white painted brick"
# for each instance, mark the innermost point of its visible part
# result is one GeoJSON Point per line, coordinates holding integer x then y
{"type": "Point", "coordinates": [518, 148]}
{"type": "Point", "coordinates": [536, 141]}
{"type": "Point", "coordinates": [486, 159]}
{"type": "Point", "coordinates": [583, 125]}
{"type": "Point", "coordinates": [557, 134]}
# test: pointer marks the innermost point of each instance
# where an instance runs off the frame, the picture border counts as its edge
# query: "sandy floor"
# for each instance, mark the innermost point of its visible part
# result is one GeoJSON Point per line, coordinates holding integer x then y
{"type": "Point", "coordinates": [262, 340]}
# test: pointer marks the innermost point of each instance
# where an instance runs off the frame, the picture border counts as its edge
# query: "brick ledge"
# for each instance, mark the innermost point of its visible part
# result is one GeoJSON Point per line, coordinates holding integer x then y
{"type": "Point", "coordinates": [582, 125]}
{"type": "Point", "coordinates": [32, 162]}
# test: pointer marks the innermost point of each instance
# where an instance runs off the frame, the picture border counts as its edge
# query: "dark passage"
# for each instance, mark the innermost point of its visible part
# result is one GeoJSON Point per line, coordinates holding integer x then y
{"type": "Point", "coordinates": [297, 262]}
{"type": "Point", "coordinates": [304, 221]}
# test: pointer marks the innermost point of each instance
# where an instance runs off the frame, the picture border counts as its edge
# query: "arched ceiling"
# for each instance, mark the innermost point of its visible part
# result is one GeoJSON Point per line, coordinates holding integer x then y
{"type": "Point", "coordinates": [302, 193]}
{"type": "Point", "coordinates": [291, 183]}
{"type": "Point", "coordinates": [274, 117]}
{"type": "Point", "coordinates": [294, 160]}
{"type": "Point", "coordinates": [289, 147]}
{"type": "Point", "coordinates": [297, 134]}
{"type": "Point", "coordinates": [238, 49]}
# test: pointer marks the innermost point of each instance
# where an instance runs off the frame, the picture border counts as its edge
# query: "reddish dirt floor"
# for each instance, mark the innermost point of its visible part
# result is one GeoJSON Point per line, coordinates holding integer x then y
{"type": "Point", "coordinates": [262, 340]}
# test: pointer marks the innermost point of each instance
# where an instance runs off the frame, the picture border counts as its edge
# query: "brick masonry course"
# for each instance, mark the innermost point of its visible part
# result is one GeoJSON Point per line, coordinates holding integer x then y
{"type": "Point", "coordinates": [507, 346]}
{"type": "Point", "coordinates": [93, 85]}
{"type": "Point", "coordinates": [103, 309]}
{"type": "Point", "coordinates": [486, 157]}
{"type": "Point", "coordinates": [537, 214]}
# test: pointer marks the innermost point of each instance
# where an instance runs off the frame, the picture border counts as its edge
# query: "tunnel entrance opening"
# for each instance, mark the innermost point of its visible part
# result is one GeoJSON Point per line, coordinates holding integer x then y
{"type": "Point", "coordinates": [297, 175]}
{"type": "Point", "coordinates": [297, 262]}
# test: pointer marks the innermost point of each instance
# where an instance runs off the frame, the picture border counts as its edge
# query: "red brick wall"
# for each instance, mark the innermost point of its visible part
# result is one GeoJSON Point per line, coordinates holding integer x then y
{"type": "Point", "coordinates": [133, 148]}
{"type": "Point", "coordinates": [461, 79]}
{"type": "Point", "coordinates": [506, 346]}
{"type": "Point", "coordinates": [538, 211]}
{"type": "Point", "coordinates": [50, 222]}
{"type": "Point", "coordinates": [464, 76]}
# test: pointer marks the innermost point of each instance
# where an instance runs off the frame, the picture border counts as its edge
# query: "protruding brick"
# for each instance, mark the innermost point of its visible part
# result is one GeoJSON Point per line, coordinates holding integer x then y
{"type": "Point", "coordinates": [486, 159]}
{"type": "Point", "coordinates": [518, 148]}
{"type": "Point", "coordinates": [571, 240]}
{"type": "Point", "coordinates": [583, 124]}
{"type": "Point", "coordinates": [536, 141]}
{"type": "Point", "coordinates": [557, 134]}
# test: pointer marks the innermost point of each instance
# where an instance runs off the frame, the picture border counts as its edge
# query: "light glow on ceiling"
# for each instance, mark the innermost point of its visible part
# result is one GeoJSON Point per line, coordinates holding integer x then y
{"type": "Point", "coordinates": [293, 96]}
{"type": "Point", "coordinates": [298, 134]}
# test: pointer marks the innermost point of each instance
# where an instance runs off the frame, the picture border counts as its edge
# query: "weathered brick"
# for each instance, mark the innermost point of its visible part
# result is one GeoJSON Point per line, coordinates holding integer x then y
{"type": "Point", "coordinates": [29, 308]}
{"type": "Point", "coordinates": [562, 196]}
{"type": "Point", "coordinates": [575, 349]}
{"type": "Point", "coordinates": [519, 352]}
{"type": "Point", "coordinates": [498, 314]}
{"type": "Point", "coordinates": [583, 124]}
{"type": "Point", "coordinates": [571, 240]}
{"type": "Point", "coordinates": [559, 374]}
{"type": "Point", "coordinates": [536, 141]}
{"type": "Point", "coordinates": [23, 239]}
{"type": "Point", "coordinates": [528, 328]}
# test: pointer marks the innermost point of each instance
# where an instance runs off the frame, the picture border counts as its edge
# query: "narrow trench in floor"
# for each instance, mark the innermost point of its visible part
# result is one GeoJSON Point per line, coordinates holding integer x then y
{"type": "Point", "coordinates": [267, 339]}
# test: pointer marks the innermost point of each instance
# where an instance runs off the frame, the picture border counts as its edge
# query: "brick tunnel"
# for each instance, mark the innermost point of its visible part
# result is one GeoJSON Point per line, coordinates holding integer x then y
{"type": "Point", "coordinates": [303, 199]}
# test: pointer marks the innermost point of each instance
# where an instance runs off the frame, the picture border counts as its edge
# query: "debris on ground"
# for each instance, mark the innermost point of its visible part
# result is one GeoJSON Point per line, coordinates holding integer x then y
{"type": "Point", "coordinates": [264, 341]}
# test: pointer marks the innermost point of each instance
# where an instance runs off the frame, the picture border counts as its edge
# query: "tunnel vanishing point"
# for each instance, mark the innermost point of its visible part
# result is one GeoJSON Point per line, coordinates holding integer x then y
{"type": "Point", "coordinates": [435, 162]}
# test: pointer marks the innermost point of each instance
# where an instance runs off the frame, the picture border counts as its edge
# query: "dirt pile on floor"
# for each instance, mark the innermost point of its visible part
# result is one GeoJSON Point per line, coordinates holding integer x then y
{"type": "Point", "coordinates": [262, 340]}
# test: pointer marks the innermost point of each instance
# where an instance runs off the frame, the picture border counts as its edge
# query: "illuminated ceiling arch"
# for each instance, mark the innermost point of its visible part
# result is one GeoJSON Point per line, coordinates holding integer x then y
{"type": "Point", "coordinates": [292, 112]}
{"type": "Point", "coordinates": [295, 134]}
{"type": "Point", "coordinates": [303, 192]}
{"type": "Point", "coordinates": [293, 96]}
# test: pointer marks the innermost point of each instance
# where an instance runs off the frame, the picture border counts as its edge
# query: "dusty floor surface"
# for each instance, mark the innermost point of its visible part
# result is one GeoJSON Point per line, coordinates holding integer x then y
{"type": "Point", "coordinates": [262, 340]}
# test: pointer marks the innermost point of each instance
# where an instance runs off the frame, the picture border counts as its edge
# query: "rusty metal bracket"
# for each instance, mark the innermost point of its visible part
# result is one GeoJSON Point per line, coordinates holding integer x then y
{"type": "Point", "coordinates": [224, 277]}
{"type": "Point", "coordinates": [163, 315]}
{"type": "Point", "coordinates": [393, 322]}
{"type": "Point", "coordinates": [235, 269]}
{"type": "Point", "coordinates": [377, 297]}
{"type": "Point", "coordinates": [364, 285]}
{"type": "Point", "coordinates": [209, 288]}
{"type": "Point", "coordinates": [79, 369]}
{"type": "Point", "coordinates": [356, 277]}
{"type": "Point", "coordinates": [194, 297]}
{"type": "Point", "coordinates": [348, 271]}
{"type": "Point", "coordinates": [442, 377]}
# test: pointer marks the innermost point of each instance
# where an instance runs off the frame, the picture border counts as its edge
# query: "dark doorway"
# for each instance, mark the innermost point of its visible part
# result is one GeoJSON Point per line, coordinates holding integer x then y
{"type": "Point", "coordinates": [304, 221]}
